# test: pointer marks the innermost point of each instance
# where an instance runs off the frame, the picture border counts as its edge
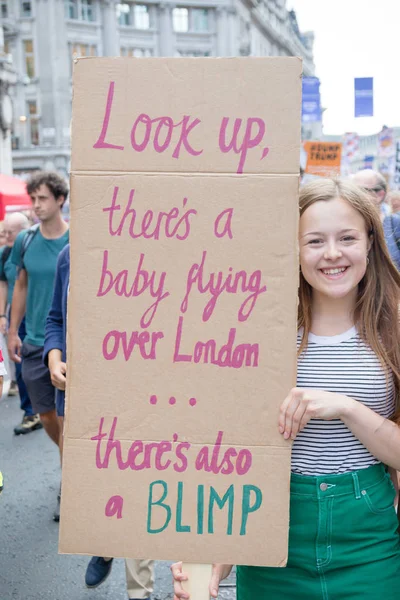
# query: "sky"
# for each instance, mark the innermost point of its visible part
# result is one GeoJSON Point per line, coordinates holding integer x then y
{"type": "Point", "coordinates": [354, 38]}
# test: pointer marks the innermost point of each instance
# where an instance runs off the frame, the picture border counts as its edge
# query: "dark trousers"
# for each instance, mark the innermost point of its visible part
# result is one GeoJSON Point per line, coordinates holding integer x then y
{"type": "Point", "coordinates": [25, 402]}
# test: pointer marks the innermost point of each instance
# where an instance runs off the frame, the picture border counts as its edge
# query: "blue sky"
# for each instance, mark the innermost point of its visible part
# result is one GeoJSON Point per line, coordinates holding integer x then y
{"type": "Point", "coordinates": [355, 38]}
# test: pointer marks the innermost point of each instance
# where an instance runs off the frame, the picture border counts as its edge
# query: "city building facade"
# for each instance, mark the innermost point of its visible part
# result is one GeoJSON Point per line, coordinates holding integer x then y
{"type": "Point", "coordinates": [8, 79]}
{"type": "Point", "coordinates": [43, 37]}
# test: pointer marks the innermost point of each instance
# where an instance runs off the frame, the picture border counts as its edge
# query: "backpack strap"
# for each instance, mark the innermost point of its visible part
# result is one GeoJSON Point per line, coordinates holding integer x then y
{"type": "Point", "coordinates": [26, 242]}
{"type": "Point", "coordinates": [4, 257]}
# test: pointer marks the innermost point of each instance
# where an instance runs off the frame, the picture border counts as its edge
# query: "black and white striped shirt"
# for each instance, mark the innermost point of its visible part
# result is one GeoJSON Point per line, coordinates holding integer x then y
{"type": "Point", "coordinates": [346, 365]}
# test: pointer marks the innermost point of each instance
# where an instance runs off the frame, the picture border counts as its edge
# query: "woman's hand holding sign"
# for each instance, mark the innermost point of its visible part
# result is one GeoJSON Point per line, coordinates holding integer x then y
{"type": "Point", "coordinates": [219, 572]}
{"type": "Point", "coordinates": [302, 405]}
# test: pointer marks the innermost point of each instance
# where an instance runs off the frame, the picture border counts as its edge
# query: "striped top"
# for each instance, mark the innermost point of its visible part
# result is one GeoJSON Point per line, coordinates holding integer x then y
{"type": "Point", "coordinates": [346, 365]}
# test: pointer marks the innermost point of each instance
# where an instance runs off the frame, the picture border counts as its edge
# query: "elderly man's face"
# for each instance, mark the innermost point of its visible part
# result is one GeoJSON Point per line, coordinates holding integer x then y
{"type": "Point", "coordinates": [395, 202]}
{"type": "Point", "coordinates": [11, 230]}
{"type": "Point", "coordinates": [370, 183]}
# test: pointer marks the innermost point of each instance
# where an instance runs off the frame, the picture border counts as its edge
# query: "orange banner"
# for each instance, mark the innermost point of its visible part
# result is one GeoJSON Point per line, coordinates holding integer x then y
{"type": "Point", "coordinates": [323, 158]}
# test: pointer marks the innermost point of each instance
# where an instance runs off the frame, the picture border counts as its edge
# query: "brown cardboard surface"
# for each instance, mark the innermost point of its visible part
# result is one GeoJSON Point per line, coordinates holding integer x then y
{"type": "Point", "coordinates": [184, 395]}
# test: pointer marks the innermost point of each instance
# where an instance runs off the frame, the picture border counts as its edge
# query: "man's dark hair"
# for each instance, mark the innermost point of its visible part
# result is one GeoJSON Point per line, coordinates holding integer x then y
{"type": "Point", "coordinates": [56, 184]}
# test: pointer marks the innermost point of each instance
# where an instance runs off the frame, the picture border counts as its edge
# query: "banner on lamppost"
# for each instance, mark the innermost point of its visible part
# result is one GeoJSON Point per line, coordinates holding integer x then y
{"type": "Point", "coordinates": [363, 97]}
{"type": "Point", "coordinates": [311, 100]}
{"type": "Point", "coordinates": [386, 141]}
{"type": "Point", "coordinates": [395, 183]}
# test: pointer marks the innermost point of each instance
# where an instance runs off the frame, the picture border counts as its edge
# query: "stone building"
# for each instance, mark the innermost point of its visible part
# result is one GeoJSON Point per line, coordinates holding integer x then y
{"type": "Point", "coordinates": [8, 79]}
{"type": "Point", "coordinates": [43, 37]}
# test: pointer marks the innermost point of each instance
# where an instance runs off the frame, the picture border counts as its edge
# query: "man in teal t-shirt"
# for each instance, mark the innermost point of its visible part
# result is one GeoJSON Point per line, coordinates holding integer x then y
{"type": "Point", "coordinates": [36, 258]}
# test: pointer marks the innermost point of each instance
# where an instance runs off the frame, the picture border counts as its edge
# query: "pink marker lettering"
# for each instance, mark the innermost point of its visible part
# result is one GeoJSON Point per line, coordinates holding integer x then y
{"type": "Point", "coordinates": [111, 445]}
{"type": "Point", "coordinates": [186, 126]}
{"type": "Point", "coordinates": [186, 129]}
{"type": "Point", "coordinates": [223, 224]}
{"type": "Point", "coordinates": [114, 339]}
{"type": "Point", "coordinates": [142, 281]}
{"type": "Point", "coordinates": [229, 354]}
{"type": "Point", "coordinates": [223, 463]}
{"type": "Point", "coordinates": [114, 507]}
{"type": "Point", "coordinates": [249, 140]}
{"type": "Point", "coordinates": [147, 122]}
{"type": "Point", "coordinates": [217, 283]}
{"type": "Point", "coordinates": [152, 225]}
{"type": "Point", "coordinates": [101, 143]}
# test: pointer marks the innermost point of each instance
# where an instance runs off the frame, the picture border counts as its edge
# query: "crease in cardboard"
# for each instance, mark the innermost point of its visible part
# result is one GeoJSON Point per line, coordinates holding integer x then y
{"type": "Point", "coordinates": [94, 173]}
{"type": "Point", "coordinates": [287, 446]}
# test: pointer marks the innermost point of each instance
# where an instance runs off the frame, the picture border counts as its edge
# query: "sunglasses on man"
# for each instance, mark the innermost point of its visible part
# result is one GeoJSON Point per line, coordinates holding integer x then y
{"type": "Point", "coordinates": [375, 189]}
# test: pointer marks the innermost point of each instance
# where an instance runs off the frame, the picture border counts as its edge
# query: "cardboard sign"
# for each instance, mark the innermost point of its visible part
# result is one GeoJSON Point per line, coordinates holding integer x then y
{"type": "Point", "coordinates": [182, 308]}
{"type": "Point", "coordinates": [323, 158]}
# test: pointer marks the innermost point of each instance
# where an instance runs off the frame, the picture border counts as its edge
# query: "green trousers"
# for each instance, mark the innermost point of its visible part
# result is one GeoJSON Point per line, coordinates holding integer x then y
{"type": "Point", "coordinates": [343, 542]}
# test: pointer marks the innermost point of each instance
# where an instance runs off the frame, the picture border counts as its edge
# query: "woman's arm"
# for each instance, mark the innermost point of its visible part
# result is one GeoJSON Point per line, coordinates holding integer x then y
{"type": "Point", "coordinates": [379, 435]}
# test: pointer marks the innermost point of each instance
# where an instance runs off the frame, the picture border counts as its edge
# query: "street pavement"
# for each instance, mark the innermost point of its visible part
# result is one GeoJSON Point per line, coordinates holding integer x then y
{"type": "Point", "coordinates": [30, 567]}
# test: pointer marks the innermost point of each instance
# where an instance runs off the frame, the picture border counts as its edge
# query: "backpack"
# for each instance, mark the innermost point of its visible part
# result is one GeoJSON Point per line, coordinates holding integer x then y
{"type": "Point", "coordinates": [4, 257]}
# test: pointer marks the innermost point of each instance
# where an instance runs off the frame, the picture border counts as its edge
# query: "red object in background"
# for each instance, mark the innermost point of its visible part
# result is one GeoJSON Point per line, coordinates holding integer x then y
{"type": "Point", "coordinates": [13, 195]}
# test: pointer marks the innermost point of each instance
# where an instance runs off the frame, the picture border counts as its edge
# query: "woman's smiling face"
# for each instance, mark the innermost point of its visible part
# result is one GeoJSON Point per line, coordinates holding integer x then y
{"type": "Point", "coordinates": [334, 246]}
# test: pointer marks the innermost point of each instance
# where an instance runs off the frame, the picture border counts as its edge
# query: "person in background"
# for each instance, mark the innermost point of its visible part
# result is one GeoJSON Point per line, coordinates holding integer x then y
{"type": "Point", "coordinates": [375, 184]}
{"type": "Point", "coordinates": [35, 254]}
{"type": "Point", "coordinates": [2, 236]}
{"type": "Point", "coordinates": [394, 201]}
{"type": "Point", "coordinates": [2, 373]}
{"type": "Point", "coordinates": [13, 224]}
{"type": "Point", "coordinates": [139, 573]}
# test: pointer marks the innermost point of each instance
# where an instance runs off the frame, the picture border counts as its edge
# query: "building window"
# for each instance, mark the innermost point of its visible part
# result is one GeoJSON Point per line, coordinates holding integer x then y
{"type": "Point", "coordinates": [193, 53]}
{"type": "Point", "coordinates": [137, 52]}
{"type": "Point", "coordinates": [4, 9]}
{"type": "Point", "coordinates": [26, 9]}
{"type": "Point", "coordinates": [29, 58]}
{"type": "Point", "coordinates": [79, 50]}
{"type": "Point", "coordinates": [200, 19]}
{"type": "Point", "coordinates": [71, 9]}
{"type": "Point", "coordinates": [87, 10]}
{"type": "Point", "coordinates": [123, 13]}
{"type": "Point", "coordinates": [141, 16]}
{"type": "Point", "coordinates": [180, 19]}
{"type": "Point", "coordinates": [33, 122]}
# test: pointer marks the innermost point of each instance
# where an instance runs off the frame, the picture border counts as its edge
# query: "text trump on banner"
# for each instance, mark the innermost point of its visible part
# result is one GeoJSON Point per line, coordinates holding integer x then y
{"type": "Point", "coordinates": [323, 158]}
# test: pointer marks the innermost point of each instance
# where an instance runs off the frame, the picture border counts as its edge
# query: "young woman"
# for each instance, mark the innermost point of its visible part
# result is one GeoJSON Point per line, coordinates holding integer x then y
{"type": "Point", "coordinates": [343, 416]}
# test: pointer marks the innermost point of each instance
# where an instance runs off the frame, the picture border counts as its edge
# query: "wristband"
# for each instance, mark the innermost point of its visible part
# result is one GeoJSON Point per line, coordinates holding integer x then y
{"type": "Point", "coordinates": [3, 316]}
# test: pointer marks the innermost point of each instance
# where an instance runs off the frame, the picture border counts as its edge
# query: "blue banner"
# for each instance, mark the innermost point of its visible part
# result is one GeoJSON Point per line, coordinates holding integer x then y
{"type": "Point", "coordinates": [311, 102]}
{"type": "Point", "coordinates": [363, 97]}
{"type": "Point", "coordinates": [368, 162]}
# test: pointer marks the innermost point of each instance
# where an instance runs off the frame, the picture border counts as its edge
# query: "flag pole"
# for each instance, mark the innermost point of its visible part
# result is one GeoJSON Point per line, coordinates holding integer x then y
{"type": "Point", "coordinates": [198, 583]}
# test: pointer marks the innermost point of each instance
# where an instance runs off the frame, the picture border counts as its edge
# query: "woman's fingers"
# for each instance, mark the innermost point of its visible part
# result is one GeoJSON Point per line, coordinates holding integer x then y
{"type": "Point", "coordinates": [179, 576]}
{"type": "Point", "coordinates": [214, 583]}
{"type": "Point", "coordinates": [282, 412]}
{"type": "Point", "coordinates": [288, 410]}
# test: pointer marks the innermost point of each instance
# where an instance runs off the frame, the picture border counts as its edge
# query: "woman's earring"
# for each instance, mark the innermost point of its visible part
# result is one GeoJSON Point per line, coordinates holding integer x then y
{"type": "Point", "coordinates": [367, 261]}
